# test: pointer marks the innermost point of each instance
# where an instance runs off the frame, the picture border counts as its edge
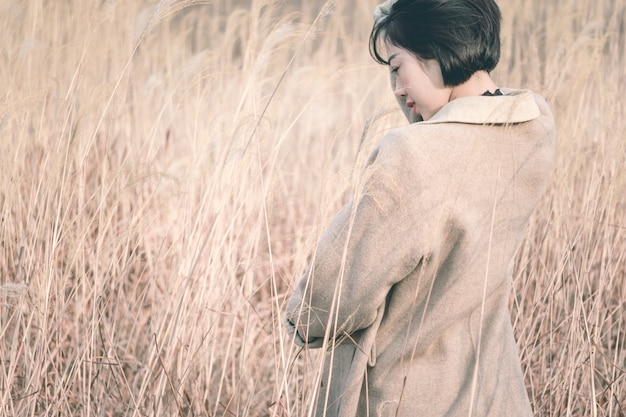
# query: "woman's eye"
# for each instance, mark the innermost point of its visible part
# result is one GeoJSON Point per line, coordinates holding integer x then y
{"type": "Point", "coordinates": [394, 70]}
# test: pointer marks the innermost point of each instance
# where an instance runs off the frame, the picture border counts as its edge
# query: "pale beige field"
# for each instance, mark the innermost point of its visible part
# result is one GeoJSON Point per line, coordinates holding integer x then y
{"type": "Point", "coordinates": [166, 169]}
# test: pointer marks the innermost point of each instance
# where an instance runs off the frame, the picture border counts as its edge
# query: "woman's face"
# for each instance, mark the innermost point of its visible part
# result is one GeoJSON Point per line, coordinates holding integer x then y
{"type": "Point", "coordinates": [417, 84]}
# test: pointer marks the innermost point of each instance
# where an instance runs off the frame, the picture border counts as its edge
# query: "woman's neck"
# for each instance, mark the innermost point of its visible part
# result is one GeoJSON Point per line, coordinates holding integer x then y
{"type": "Point", "coordinates": [478, 83]}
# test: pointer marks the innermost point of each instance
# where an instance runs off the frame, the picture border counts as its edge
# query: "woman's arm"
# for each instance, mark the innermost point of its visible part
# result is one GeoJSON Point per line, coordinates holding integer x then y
{"type": "Point", "coordinates": [368, 247]}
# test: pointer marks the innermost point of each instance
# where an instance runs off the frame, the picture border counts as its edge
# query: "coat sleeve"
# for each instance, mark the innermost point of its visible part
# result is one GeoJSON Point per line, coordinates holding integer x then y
{"type": "Point", "coordinates": [371, 244]}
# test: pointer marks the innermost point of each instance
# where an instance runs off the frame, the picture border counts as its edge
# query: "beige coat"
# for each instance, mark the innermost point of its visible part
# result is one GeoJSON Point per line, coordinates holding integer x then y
{"type": "Point", "coordinates": [423, 259]}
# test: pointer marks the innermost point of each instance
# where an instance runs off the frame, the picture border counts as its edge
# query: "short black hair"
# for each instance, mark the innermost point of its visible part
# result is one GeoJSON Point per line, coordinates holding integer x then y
{"type": "Point", "coordinates": [463, 36]}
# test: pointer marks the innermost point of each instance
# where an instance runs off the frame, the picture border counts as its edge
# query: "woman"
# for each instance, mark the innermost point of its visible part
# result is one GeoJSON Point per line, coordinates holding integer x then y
{"type": "Point", "coordinates": [409, 286]}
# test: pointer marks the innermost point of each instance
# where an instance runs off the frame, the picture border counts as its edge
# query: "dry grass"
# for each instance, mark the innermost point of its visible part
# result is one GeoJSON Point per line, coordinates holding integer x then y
{"type": "Point", "coordinates": [165, 170]}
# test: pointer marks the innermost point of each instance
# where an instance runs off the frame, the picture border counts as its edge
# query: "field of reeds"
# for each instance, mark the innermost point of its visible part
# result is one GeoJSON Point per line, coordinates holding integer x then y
{"type": "Point", "coordinates": [166, 168]}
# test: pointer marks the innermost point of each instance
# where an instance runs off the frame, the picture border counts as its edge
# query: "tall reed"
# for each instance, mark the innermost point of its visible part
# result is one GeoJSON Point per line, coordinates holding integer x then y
{"type": "Point", "coordinates": [166, 168]}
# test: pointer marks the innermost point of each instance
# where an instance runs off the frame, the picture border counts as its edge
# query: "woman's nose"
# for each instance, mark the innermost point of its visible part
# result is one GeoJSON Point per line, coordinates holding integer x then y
{"type": "Point", "coordinates": [399, 91]}
{"type": "Point", "coordinates": [396, 86]}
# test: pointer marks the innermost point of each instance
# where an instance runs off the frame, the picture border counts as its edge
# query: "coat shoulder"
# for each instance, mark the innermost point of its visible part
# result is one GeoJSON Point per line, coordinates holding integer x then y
{"type": "Point", "coordinates": [408, 140]}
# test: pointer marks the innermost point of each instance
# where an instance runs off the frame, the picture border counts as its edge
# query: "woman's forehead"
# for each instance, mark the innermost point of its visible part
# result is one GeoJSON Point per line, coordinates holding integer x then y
{"type": "Point", "coordinates": [394, 50]}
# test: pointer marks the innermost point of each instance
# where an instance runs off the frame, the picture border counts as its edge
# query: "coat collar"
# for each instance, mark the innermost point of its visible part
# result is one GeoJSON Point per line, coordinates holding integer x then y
{"type": "Point", "coordinates": [515, 106]}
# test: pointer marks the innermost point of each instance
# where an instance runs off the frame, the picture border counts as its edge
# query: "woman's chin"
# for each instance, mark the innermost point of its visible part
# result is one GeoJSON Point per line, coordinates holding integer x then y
{"type": "Point", "coordinates": [415, 118]}
{"type": "Point", "coordinates": [410, 114]}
